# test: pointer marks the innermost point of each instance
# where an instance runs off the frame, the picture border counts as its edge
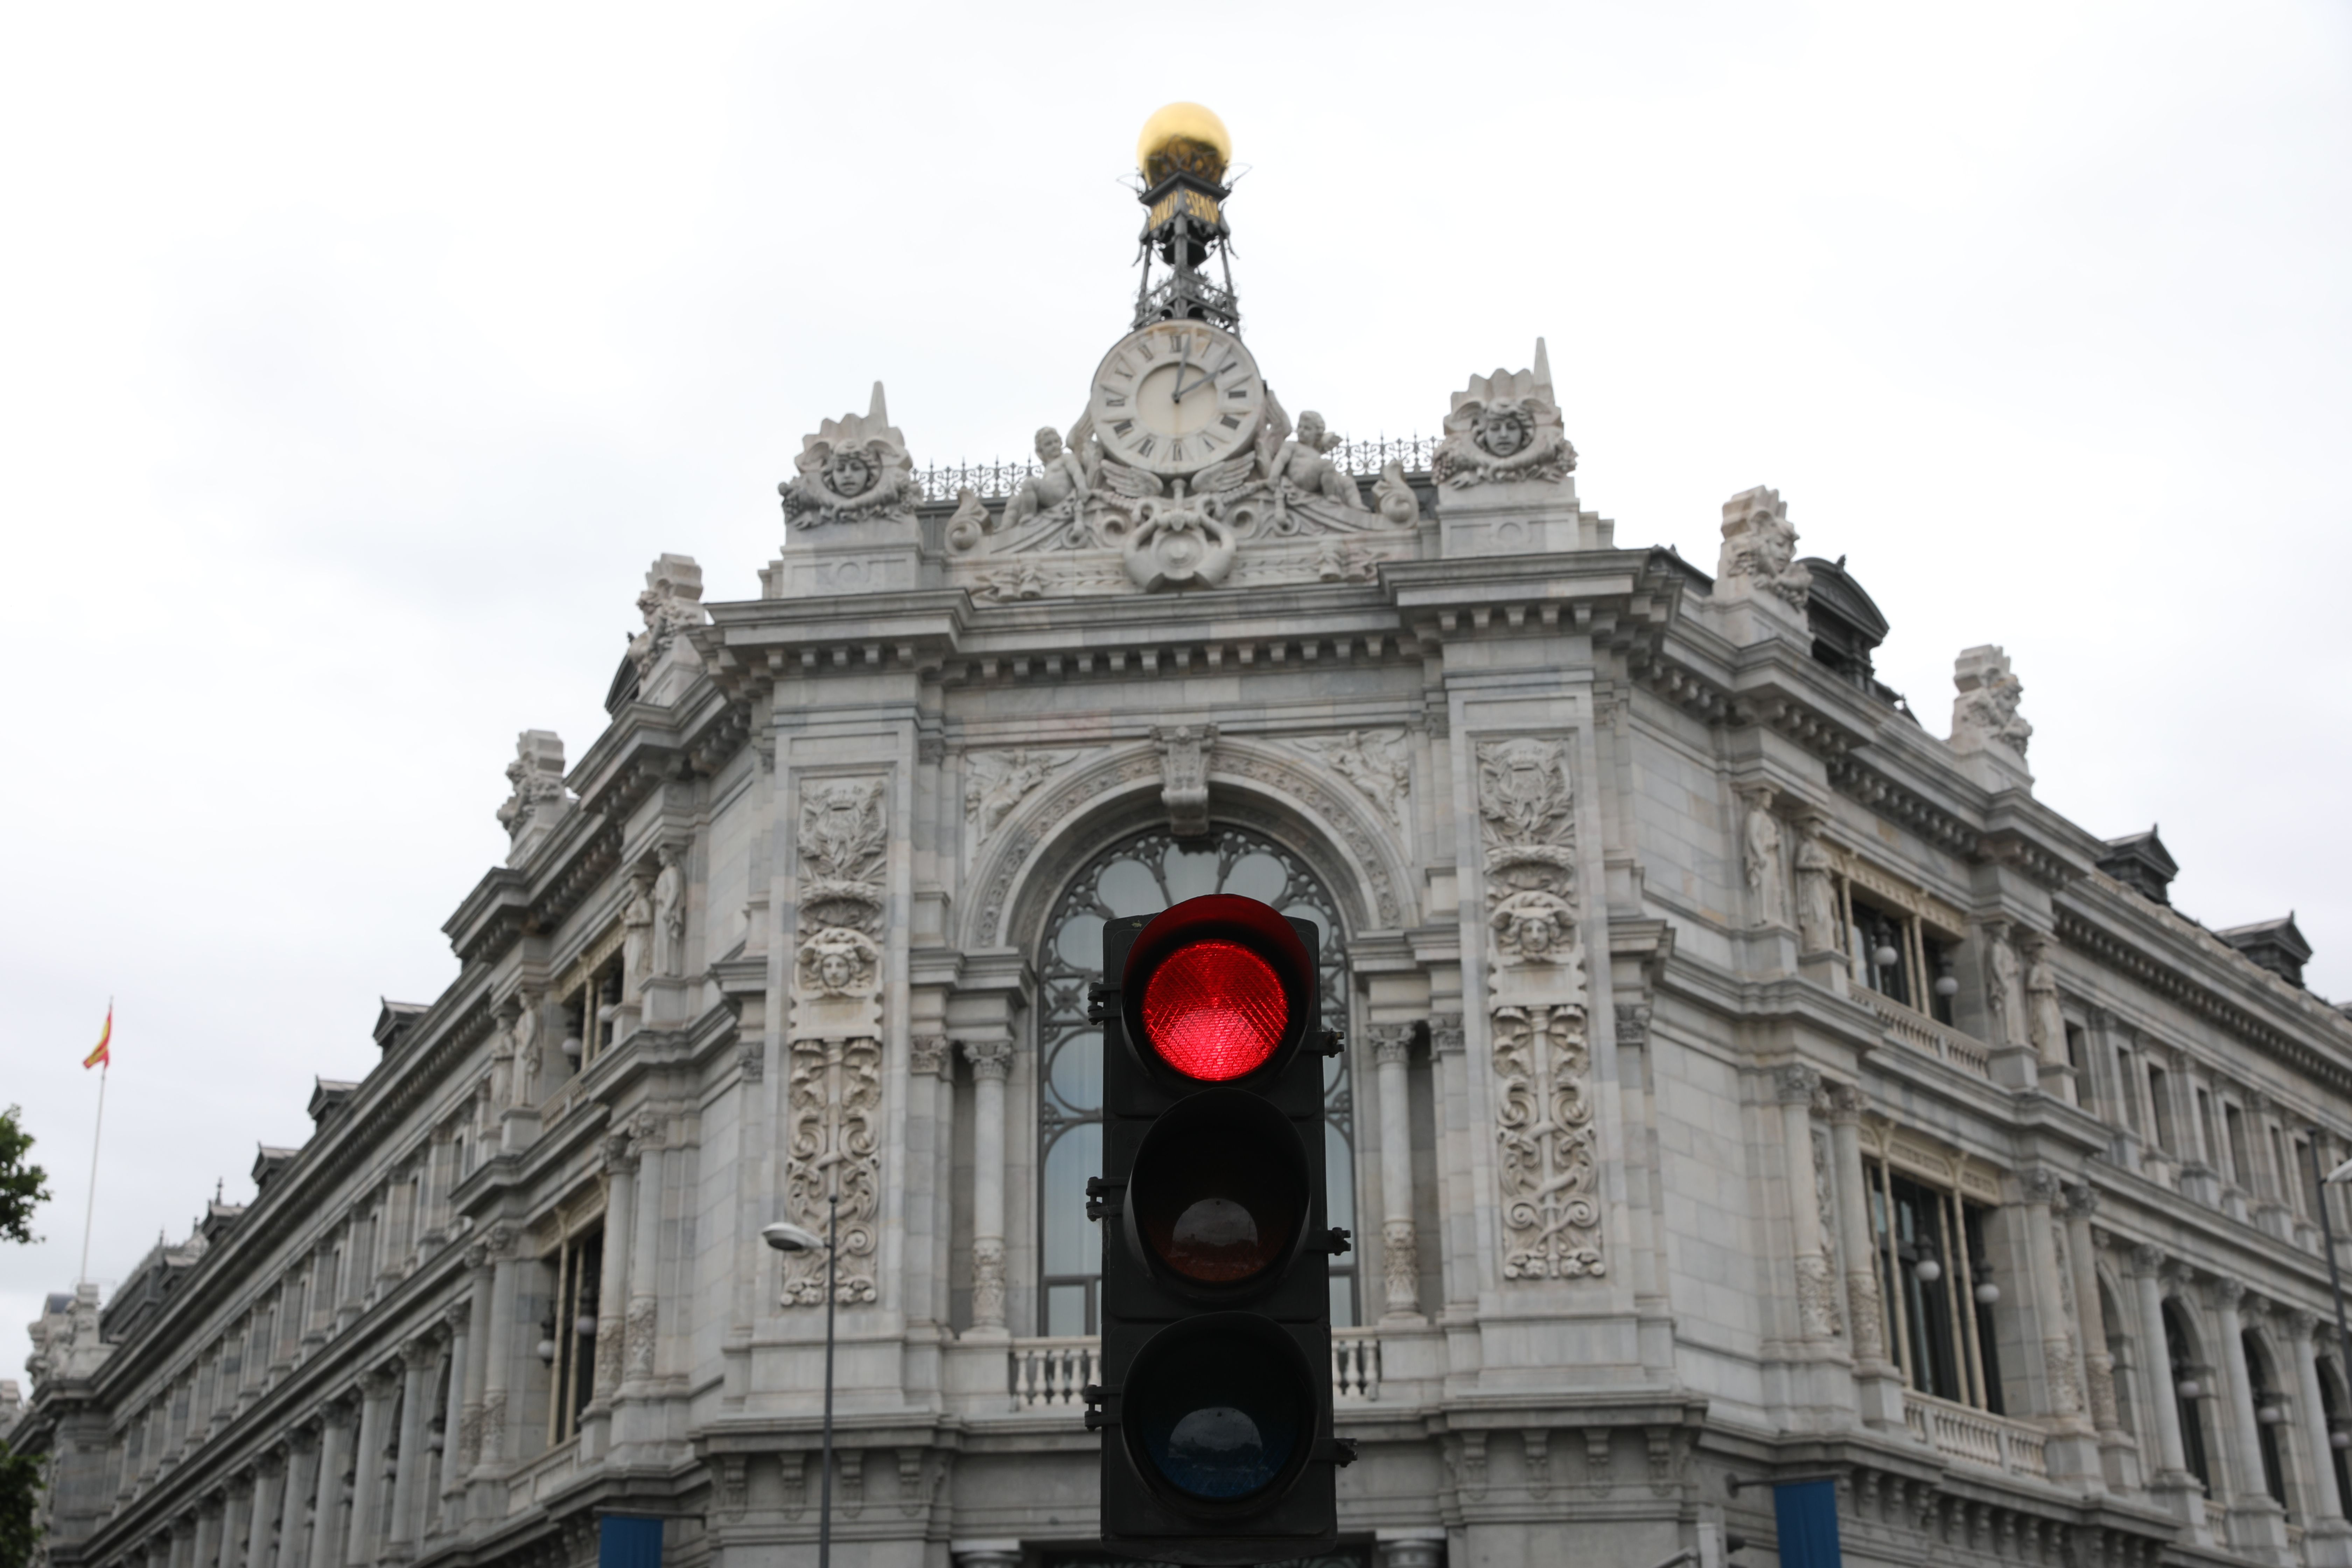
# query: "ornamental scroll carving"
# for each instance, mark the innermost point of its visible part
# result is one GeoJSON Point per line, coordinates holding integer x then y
{"type": "Point", "coordinates": [1536, 975]}
{"type": "Point", "coordinates": [834, 1097]}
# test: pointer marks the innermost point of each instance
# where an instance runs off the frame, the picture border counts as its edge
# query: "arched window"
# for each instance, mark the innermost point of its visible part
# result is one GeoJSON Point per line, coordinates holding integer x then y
{"type": "Point", "coordinates": [1141, 875]}
{"type": "Point", "coordinates": [2190, 1389]}
{"type": "Point", "coordinates": [2331, 1405]}
{"type": "Point", "coordinates": [2270, 1411]}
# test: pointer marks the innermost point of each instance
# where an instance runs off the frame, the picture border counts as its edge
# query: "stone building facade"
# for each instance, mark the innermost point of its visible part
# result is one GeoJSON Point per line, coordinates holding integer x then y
{"type": "Point", "coordinates": [1742, 1080]}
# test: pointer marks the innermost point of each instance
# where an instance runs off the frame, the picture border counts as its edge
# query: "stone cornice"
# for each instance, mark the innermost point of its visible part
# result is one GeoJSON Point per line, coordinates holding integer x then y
{"type": "Point", "coordinates": [2185, 965]}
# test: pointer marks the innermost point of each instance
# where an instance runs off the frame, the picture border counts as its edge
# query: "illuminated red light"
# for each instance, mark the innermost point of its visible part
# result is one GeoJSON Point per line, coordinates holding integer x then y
{"type": "Point", "coordinates": [1214, 1011]}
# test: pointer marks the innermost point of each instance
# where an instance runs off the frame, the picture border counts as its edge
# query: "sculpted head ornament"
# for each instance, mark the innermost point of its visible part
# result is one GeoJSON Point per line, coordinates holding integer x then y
{"type": "Point", "coordinates": [1505, 428]}
{"type": "Point", "coordinates": [853, 467]}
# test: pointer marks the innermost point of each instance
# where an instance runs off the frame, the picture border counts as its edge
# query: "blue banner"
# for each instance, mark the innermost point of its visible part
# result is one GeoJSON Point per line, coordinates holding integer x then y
{"type": "Point", "coordinates": [1807, 1515]}
{"type": "Point", "coordinates": [625, 1543]}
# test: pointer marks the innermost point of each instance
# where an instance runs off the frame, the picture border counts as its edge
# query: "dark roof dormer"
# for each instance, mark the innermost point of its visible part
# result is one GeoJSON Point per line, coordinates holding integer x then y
{"type": "Point", "coordinates": [2140, 862]}
{"type": "Point", "coordinates": [2276, 945]}
{"type": "Point", "coordinates": [394, 1020]}
{"type": "Point", "coordinates": [268, 1162]}
{"type": "Point", "coordinates": [1847, 627]}
{"type": "Point", "coordinates": [219, 1219]}
{"type": "Point", "coordinates": [327, 1096]}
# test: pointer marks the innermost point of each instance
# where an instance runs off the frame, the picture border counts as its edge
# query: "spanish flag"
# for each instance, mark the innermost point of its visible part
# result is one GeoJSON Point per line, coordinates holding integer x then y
{"type": "Point", "coordinates": [102, 1056]}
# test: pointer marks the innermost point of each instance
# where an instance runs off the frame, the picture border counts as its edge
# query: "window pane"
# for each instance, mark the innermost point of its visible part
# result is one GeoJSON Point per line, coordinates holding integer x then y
{"type": "Point", "coordinates": [1073, 1242]}
{"type": "Point", "coordinates": [1079, 940]}
{"type": "Point", "coordinates": [1076, 1072]}
{"type": "Point", "coordinates": [1192, 873]}
{"type": "Point", "coordinates": [1258, 876]}
{"type": "Point", "coordinates": [1128, 888]}
{"type": "Point", "coordinates": [1065, 1310]}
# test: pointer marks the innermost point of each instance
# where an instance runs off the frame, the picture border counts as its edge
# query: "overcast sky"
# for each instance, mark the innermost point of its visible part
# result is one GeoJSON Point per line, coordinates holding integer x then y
{"type": "Point", "coordinates": [355, 363]}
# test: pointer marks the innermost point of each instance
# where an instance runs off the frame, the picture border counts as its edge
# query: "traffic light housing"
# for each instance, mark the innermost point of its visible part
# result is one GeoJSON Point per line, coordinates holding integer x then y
{"type": "Point", "coordinates": [1216, 1404]}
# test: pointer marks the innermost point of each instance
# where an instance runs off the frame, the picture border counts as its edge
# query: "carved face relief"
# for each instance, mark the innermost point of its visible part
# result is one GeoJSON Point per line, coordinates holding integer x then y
{"type": "Point", "coordinates": [850, 474]}
{"type": "Point", "coordinates": [1503, 431]}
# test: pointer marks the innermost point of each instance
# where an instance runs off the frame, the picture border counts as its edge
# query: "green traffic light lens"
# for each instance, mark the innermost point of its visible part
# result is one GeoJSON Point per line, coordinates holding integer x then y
{"type": "Point", "coordinates": [1218, 1409]}
{"type": "Point", "coordinates": [1220, 1190]}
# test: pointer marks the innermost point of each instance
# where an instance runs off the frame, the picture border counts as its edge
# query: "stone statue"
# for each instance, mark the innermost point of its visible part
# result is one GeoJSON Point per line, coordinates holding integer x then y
{"type": "Point", "coordinates": [1300, 468]}
{"type": "Point", "coordinates": [671, 603]}
{"type": "Point", "coordinates": [1759, 548]}
{"type": "Point", "coordinates": [2045, 1021]}
{"type": "Point", "coordinates": [638, 937]}
{"type": "Point", "coordinates": [2004, 985]}
{"type": "Point", "coordinates": [1057, 490]}
{"type": "Point", "coordinates": [1816, 898]}
{"type": "Point", "coordinates": [1760, 839]}
{"type": "Point", "coordinates": [969, 521]}
{"type": "Point", "coordinates": [1985, 710]}
{"type": "Point", "coordinates": [1399, 506]}
{"type": "Point", "coordinates": [670, 915]}
{"type": "Point", "coordinates": [534, 781]}
{"type": "Point", "coordinates": [527, 1063]}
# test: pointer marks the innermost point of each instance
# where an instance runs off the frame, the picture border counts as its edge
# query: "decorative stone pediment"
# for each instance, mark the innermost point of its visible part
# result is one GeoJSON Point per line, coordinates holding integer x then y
{"type": "Point", "coordinates": [854, 469]}
{"type": "Point", "coordinates": [1504, 428]}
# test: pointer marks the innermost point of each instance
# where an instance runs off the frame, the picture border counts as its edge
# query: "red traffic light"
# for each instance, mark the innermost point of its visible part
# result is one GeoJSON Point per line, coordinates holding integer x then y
{"type": "Point", "coordinates": [1215, 986]}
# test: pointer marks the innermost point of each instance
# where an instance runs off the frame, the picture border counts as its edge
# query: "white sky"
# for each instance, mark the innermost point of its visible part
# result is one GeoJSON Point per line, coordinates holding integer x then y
{"type": "Point", "coordinates": [354, 364]}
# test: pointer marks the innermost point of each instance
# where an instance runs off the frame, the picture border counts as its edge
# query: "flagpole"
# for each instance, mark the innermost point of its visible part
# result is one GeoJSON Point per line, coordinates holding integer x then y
{"type": "Point", "coordinates": [90, 1210]}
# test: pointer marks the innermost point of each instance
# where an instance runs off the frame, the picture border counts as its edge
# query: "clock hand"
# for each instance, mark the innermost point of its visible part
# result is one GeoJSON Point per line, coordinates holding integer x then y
{"type": "Point", "coordinates": [1183, 364]}
{"type": "Point", "coordinates": [1208, 378]}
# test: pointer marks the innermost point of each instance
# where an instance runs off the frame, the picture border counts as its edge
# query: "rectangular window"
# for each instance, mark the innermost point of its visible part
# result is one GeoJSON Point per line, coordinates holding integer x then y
{"type": "Point", "coordinates": [2208, 1139]}
{"type": "Point", "coordinates": [1931, 1246]}
{"type": "Point", "coordinates": [2240, 1156]}
{"type": "Point", "coordinates": [2295, 1175]}
{"type": "Point", "coordinates": [2128, 1083]}
{"type": "Point", "coordinates": [2159, 1105]}
{"type": "Point", "coordinates": [570, 1331]}
{"type": "Point", "coordinates": [588, 1011]}
{"type": "Point", "coordinates": [2086, 1093]}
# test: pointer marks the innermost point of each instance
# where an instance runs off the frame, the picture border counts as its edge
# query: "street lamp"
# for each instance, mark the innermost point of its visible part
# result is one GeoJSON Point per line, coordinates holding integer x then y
{"type": "Point", "coordinates": [786, 1236]}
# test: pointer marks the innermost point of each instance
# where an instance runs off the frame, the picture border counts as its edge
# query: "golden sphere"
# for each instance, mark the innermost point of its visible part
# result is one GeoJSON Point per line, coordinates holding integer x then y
{"type": "Point", "coordinates": [1185, 135]}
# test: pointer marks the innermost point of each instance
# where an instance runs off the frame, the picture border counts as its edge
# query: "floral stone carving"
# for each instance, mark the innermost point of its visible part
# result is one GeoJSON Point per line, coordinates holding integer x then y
{"type": "Point", "coordinates": [834, 1097]}
{"type": "Point", "coordinates": [671, 603]}
{"type": "Point", "coordinates": [853, 469]}
{"type": "Point", "coordinates": [1549, 1146]}
{"type": "Point", "coordinates": [1375, 761]}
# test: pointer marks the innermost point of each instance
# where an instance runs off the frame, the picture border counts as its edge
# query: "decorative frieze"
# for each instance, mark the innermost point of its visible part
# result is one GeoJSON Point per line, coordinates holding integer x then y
{"type": "Point", "coordinates": [1542, 1058]}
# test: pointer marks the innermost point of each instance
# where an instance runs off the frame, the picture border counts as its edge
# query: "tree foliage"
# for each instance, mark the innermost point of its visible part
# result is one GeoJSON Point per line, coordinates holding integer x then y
{"type": "Point", "coordinates": [22, 1185]}
{"type": "Point", "coordinates": [20, 1529]}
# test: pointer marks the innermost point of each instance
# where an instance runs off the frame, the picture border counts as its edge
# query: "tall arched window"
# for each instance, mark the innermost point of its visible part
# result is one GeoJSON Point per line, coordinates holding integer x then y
{"type": "Point", "coordinates": [1141, 875]}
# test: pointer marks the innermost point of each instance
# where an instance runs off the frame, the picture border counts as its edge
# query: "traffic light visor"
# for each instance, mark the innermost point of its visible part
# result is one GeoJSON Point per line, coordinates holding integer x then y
{"type": "Point", "coordinates": [1215, 988]}
{"type": "Point", "coordinates": [1219, 1410]}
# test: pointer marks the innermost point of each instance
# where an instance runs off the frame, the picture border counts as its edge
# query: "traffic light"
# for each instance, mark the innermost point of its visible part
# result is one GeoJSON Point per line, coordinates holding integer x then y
{"type": "Point", "coordinates": [1215, 1403]}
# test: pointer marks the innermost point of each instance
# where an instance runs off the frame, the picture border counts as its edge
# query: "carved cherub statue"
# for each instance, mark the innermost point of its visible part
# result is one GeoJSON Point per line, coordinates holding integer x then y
{"type": "Point", "coordinates": [1301, 469]}
{"type": "Point", "coordinates": [1058, 489]}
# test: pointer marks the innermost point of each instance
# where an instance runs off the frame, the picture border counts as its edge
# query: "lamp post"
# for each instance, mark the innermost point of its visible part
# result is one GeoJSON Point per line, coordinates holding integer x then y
{"type": "Point", "coordinates": [786, 1236]}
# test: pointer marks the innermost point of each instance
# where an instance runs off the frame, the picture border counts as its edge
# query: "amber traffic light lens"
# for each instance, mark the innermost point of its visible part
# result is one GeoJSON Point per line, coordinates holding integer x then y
{"type": "Point", "coordinates": [1215, 1010]}
{"type": "Point", "coordinates": [1220, 1189]}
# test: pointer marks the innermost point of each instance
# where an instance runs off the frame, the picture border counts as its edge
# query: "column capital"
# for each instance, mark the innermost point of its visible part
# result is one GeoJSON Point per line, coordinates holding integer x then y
{"type": "Point", "coordinates": [1632, 1026]}
{"type": "Point", "coordinates": [619, 1156]}
{"type": "Point", "coordinates": [2039, 1186]}
{"type": "Point", "coordinates": [1847, 1102]}
{"type": "Point", "coordinates": [931, 1056]}
{"type": "Point", "coordinates": [1391, 1043]}
{"type": "Point", "coordinates": [2081, 1203]}
{"type": "Point", "coordinates": [2300, 1324]}
{"type": "Point", "coordinates": [379, 1382]}
{"type": "Point", "coordinates": [419, 1353]}
{"type": "Point", "coordinates": [1445, 1035]}
{"type": "Point", "coordinates": [2229, 1291]}
{"type": "Point", "coordinates": [2147, 1259]}
{"type": "Point", "coordinates": [990, 1059]}
{"type": "Point", "coordinates": [456, 1314]}
{"type": "Point", "coordinates": [1793, 1083]}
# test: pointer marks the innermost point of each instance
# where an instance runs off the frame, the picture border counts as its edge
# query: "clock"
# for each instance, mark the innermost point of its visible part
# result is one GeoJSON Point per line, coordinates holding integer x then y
{"type": "Point", "coordinates": [1176, 396]}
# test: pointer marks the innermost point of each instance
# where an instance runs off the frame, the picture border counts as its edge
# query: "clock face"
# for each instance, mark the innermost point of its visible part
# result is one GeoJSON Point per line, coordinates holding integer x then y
{"type": "Point", "coordinates": [1177, 396]}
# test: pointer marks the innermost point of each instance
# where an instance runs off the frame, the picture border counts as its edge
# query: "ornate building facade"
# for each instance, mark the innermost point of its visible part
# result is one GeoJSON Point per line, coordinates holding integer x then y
{"type": "Point", "coordinates": [1742, 1080]}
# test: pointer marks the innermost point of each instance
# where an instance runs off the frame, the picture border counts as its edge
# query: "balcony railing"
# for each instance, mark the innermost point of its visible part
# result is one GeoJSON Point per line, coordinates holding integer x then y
{"type": "Point", "coordinates": [1922, 1033]}
{"type": "Point", "coordinates": [1049, 1373]}
{"type": "Point", "coordinates": [1974, 1438]}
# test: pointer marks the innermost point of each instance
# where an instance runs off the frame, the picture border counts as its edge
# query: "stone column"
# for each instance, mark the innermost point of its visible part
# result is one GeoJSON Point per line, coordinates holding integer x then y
{"type": "Point", "coordinates": [216, 1523]}
{"type": "Point", "coordinates": [268, 1481]}
{"type": "Point", "coordinates": [457, 1317]}
{"type": "Point", "coordinates": [639, 1344]}
{"type": "Point", "coordinates": [2327, 1537]}
{"type": "Point", "coordinates": [612, 1296]}
{"type": "Point", "coordinates": [497, 1350]}
{"type": "Point", "coordinates": [1817, 1315]}
{"type": "Point", "coordinates": [294, 1499]}
{"type": "Point", "coordinates": [184, 1542]}
{"type": "Point", "coordinates": [473, 1373]}
{"type": "Point", "coordinates": [1399, 1246]}
{"type": "Point", "coordinates": [1878, 1382]}
{"type": "Point", "coordinates": [2098, 1363]}
{"type": "Point", "coordinates": [236, 1520]}
{"type": "Point", "coordinates": [992, 1064]}
{"type": "Point", "coordinates": [334, 1438]}
{"type": "Point", "coordinates": [2256, 1520]}
{"type": "Point", "coordinates": [418, 1358]}
{"type": "Point", "coordinates": [377, 1387]}
{"type": "Point", "coordinates": [2182, 1492]}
